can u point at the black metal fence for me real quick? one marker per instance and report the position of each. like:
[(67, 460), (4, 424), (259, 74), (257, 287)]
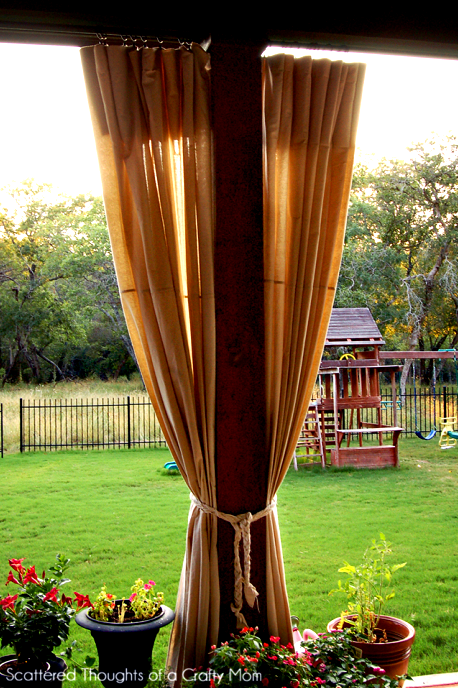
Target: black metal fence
[(417, 410), (131, 422), (88, 424)]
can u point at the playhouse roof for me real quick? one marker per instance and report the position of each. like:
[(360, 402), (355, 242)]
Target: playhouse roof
[(353, 327)]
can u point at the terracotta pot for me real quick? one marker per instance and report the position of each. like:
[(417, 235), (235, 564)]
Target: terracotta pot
[(125, 649), (17, 676), (392, 656)]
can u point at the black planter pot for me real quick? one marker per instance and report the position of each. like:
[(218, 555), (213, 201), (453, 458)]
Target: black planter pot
[(16, 676), (125, 649)]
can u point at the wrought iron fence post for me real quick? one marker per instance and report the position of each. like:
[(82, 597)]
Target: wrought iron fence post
[(21, 446), (445, 402), (128, 422)]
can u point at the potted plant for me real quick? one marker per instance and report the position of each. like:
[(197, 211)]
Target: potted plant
[(34, 621), (385, 640), (329, 660), (124, 632)]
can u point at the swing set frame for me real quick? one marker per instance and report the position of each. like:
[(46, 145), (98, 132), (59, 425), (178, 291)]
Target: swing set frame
[(449, 436)]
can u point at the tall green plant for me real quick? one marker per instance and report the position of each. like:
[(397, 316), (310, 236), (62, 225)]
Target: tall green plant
[(365, 589)]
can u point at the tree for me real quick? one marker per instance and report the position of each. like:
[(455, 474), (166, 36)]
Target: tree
[(400, 257), (32, 315), (57, 286), (94, 285)]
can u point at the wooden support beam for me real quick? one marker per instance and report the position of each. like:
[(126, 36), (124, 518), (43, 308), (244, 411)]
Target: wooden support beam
[(241, 453), (418, 354)]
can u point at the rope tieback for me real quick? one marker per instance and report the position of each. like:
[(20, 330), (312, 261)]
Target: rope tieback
[(241, 525)]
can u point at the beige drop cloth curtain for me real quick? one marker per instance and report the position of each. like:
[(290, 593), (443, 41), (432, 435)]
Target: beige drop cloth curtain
[(150, 111), (311, 110)]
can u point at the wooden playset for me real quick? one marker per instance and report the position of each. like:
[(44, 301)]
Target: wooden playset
[(347, 386)]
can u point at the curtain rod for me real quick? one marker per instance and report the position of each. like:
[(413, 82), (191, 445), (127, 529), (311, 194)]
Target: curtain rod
[(82, 36)]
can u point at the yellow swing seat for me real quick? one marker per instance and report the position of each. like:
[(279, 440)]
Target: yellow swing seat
[(448, 440)]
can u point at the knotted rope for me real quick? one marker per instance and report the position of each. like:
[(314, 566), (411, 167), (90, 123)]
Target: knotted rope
[(241, 525)]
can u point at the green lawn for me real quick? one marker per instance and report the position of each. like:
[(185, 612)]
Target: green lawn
[(119, 516)]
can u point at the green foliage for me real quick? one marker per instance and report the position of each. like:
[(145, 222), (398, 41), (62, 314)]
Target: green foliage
[(60, 312), (327, 660), (143, 602), (37, 618), (103, 605), (365, 589), (245, 660), (78, 666), (400, 257), (333, 660)]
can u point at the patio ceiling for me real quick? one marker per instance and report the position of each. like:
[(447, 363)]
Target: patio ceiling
[(403, 33)]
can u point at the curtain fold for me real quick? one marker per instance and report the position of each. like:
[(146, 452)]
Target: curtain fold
[(310, 116), (150, 111), (151, 116)]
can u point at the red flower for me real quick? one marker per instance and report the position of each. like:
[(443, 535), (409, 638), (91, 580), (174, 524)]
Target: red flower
[(31, 576), (8, 602), (212, 683), (16, 564), (265, 681), (51, 595), (245, 629), (241, 660), (66, 600), (149, 585), (294, 684), (11, 579), (290, 647), (274, 639), (82, 601)]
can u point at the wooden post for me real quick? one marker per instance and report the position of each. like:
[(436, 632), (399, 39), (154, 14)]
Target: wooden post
[(241, 454)]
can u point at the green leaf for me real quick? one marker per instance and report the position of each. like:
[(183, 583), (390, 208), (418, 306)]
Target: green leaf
[(348, 568), (397, 566)]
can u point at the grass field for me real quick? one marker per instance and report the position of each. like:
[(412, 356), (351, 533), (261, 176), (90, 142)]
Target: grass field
[(119, 516)]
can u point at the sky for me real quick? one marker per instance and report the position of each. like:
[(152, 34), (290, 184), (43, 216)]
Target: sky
[(45, 126), (46, 132)]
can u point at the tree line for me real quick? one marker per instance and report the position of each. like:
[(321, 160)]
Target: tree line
[(400, 256), (60, 311)]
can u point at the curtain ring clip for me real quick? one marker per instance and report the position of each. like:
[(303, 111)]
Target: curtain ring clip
[(103, 38)]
